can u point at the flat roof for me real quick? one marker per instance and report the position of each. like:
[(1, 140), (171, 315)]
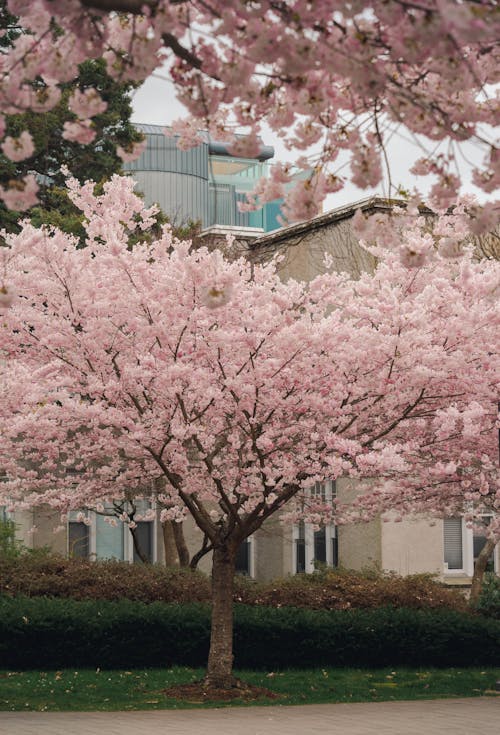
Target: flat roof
[(215, 147)]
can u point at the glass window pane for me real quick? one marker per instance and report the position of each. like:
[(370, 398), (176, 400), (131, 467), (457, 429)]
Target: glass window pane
[(109, 539), (243, 558), (300, 555), (335, 551), (320, 545), (78, 539)]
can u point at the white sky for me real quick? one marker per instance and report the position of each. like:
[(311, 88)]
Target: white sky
[(155, 103)]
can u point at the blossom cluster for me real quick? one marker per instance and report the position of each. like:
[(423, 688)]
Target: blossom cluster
[(330, 75), (240, 391)]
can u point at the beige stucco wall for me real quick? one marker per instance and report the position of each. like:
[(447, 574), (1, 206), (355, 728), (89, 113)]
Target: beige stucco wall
[(412, 546), (273, 550), (24, 525), (360, 546), (47, 531), (359, 543), (303, 257)]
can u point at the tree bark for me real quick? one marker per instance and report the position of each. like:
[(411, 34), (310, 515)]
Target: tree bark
[(169, 547), (138, 550), (123, 6), (180, 543), (220, 658), (206, 547), (479, 570)]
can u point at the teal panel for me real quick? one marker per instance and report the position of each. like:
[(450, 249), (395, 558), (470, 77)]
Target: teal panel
[(272, 210)]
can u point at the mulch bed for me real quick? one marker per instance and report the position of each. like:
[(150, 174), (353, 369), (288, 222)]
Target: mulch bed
[(198, 692)]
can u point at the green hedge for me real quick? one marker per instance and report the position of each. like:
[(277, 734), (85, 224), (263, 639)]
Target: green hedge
[(43, 633)]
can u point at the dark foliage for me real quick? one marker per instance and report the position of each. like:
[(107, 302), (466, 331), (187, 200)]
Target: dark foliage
[(52, 634)]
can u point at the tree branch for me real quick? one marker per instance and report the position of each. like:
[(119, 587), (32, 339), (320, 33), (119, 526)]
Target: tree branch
[(181, 51), (120, 6)]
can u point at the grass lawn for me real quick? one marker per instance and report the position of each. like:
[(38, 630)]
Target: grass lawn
[(88, 690)]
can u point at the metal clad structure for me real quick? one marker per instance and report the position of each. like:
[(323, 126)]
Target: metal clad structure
[(177, 180), (201, 184)]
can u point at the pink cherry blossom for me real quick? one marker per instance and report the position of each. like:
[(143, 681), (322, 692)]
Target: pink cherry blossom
[(20, 194), (450, 247), (131, 153), (17, 149), (216, 296), (87, 103), (326, 77), (7, 296), (412, 257), (116, 366), (79, 132)]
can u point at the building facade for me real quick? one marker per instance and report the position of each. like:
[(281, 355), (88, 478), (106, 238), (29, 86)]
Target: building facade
[(204, 184)]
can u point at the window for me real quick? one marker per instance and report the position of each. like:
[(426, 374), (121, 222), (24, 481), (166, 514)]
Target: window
[(102, 540), (78, 539), (312, 546), (144, 535), (244, 558), (109, 540), (462, 546)]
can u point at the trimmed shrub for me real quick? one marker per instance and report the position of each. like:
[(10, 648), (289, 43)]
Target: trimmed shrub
[(50, 575), (292, 637), (340, 589), (48, 633), (42, 633), (489, 599), (36, 574)]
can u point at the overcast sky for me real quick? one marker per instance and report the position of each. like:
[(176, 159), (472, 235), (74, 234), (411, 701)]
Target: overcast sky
[(155, 103)]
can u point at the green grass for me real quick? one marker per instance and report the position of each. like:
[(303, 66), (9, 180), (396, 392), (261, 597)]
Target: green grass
[(96, 690)]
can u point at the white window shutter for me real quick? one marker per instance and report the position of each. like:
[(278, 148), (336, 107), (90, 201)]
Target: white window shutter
[(453, 545)]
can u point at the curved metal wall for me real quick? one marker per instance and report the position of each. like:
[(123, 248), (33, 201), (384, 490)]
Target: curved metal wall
[(181, 197), (176, 180), (182, 184), (162, 154)]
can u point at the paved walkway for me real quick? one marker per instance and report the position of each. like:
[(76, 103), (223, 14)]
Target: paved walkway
[(437, 717)]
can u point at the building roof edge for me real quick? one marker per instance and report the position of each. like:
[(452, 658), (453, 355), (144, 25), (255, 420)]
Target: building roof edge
[(334, 215)]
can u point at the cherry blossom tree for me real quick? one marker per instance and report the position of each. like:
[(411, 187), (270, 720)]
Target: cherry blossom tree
[(333, 75), (129, 367)]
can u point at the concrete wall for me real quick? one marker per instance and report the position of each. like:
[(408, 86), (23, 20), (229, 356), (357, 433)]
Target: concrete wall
[(359, 543), (48, 531), (412, 546), (304, 256), (273, 554)]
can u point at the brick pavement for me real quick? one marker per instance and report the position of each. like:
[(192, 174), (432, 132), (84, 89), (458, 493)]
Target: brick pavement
[(436, 717)]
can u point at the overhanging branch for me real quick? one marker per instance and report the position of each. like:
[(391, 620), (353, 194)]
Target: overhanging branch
[(120, 6)]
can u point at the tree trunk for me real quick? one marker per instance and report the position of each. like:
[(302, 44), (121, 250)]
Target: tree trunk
[(479, 570), (205, 548), (138, 550), (169, 547), (220, 657), (180, 543)]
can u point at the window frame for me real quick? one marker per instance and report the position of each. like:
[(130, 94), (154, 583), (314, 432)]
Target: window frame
[(251, 558), (128, 543), (467, 568), (331, 536)]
